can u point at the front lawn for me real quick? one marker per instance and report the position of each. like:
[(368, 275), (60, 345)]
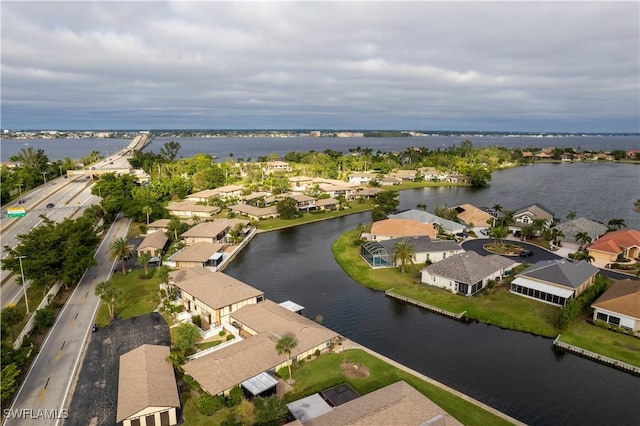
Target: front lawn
[(139, 295)]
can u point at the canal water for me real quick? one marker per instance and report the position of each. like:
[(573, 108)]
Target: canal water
[(517, 373)]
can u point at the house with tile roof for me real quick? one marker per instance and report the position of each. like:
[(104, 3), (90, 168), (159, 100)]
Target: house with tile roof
[(624, 243), (471, 215), (620, 306), (396, 404), (147, 389), (214, 296), (466, 273), (261, 326), (395, 228), (554, 281)]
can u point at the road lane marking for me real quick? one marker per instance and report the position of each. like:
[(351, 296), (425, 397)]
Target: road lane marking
[(44, 390), (59, 354)]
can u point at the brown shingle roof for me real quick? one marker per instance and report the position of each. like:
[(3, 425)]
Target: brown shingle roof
[(188, 273), (198, 252), (192, 206), (145, 379), (254, 211), (470, 214), (395, 404), (155, 240), (218, 290), (212, 228), (622, 297)]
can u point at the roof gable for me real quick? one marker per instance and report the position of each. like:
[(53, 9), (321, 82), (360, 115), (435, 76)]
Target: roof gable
[(623, 297), (561, 272), (469, 267), (218, 290)]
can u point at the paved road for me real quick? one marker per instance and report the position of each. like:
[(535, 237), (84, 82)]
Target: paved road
[(50, 376)]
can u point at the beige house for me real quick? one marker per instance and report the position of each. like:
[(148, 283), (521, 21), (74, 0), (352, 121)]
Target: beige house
[(158, 225), (261, 325), (394, 228), (214, 296), (526, 215), (213, 231), (188, 209), (198, 254), (147, 390), (396, 404), (624, 243), (472, 216), (255, 213), (276, 166), (153, 244), (327, 204), (223, 192), (619, 306)]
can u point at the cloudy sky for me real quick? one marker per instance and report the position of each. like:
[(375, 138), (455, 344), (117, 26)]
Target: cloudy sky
[(505, 66)]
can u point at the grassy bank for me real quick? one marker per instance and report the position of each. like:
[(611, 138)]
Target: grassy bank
[(496, 306), (309, 217)]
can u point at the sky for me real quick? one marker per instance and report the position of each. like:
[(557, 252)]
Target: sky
[(540, 66)]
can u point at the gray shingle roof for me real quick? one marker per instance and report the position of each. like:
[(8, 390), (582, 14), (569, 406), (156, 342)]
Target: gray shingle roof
[(469, 267), (580, 224), (562, 272)]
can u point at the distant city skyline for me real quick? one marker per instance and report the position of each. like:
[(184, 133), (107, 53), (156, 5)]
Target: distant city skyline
[(566, 67)]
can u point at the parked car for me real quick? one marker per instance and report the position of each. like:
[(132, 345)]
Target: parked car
[(484, 231), (526, 253)]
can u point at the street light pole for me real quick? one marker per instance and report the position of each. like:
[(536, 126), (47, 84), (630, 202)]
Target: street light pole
[(24, 284), (44, 176), (20, 192)]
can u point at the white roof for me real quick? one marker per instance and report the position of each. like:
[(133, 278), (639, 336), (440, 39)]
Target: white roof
[(292, 306), (536, 285), (260, 383), (309, 408)]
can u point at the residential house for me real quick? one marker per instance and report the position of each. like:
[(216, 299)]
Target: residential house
[(473, 216), (261, 326), (198, 254), (255, 213), (362, 178), (214, 231), (527, 215), (189, 209), (366, 193), (615, 245), (389, 180), (395, 404), (223, 192), (336, 190), (276, 166), (215, 295), (394, 228), (153, 244), (554, 281), (327, 204), (573, 227), (405, 174), (301, 183), (620, 306), (147, 389), (162, 225), (448, 226), (466, 273), (427, 249)]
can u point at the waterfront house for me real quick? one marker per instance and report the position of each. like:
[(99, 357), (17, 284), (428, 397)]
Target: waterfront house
[(448, 226), (362, 178), (617, 245), (276, 166), (214, 231), (573, 227), (301, 183), (404, 174), (327, 204), (198, 254), (472, 216), (147, 390), (214, 296), (619, 306), (554, 281), (153, 244), (380, 253), (188, 209), (366, 193), (395, 404), (261, 325), (394, 228), (223, 192), (466, 273), (255, 213), (526, 215)]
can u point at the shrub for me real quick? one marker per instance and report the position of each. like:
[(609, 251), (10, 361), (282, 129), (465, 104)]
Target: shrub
[(196, 320), (222, 332), (45, 318), (235, 397), (317, 352), (208, 404), (190, 382), (230, 337)]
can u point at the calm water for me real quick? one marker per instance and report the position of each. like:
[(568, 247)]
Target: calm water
[(516, 373), (253, 148)]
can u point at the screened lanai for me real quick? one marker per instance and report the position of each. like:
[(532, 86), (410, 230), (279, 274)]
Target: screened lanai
[(376, 255)]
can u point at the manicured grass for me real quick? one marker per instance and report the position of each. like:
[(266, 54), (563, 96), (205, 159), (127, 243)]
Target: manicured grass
[(614, 345), (193, 416), (139, 296), (326, 371)]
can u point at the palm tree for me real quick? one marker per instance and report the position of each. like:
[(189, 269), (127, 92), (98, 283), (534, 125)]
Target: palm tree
[(120, 249), (143, 259), (616, 224), (147, 210), (109, 294), (163, 274), (571, 215), (583, 238), (403, 253), (583, 255), (284, 346)]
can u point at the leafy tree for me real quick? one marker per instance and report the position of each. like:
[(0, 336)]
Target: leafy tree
[(235, 396), (571, 215), (163, 273), (186, 336), (421, 206), (479, 177), (143, 259), (385, 203), (288, 208), (616, 224), (270, 411), (446, 212), (9, 385), (120, 249), (109, 294), (10, 316), (208, 404), (44, 318), (169, 150), (403, 254), (175, 228), (285, 345), (147, 210)]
